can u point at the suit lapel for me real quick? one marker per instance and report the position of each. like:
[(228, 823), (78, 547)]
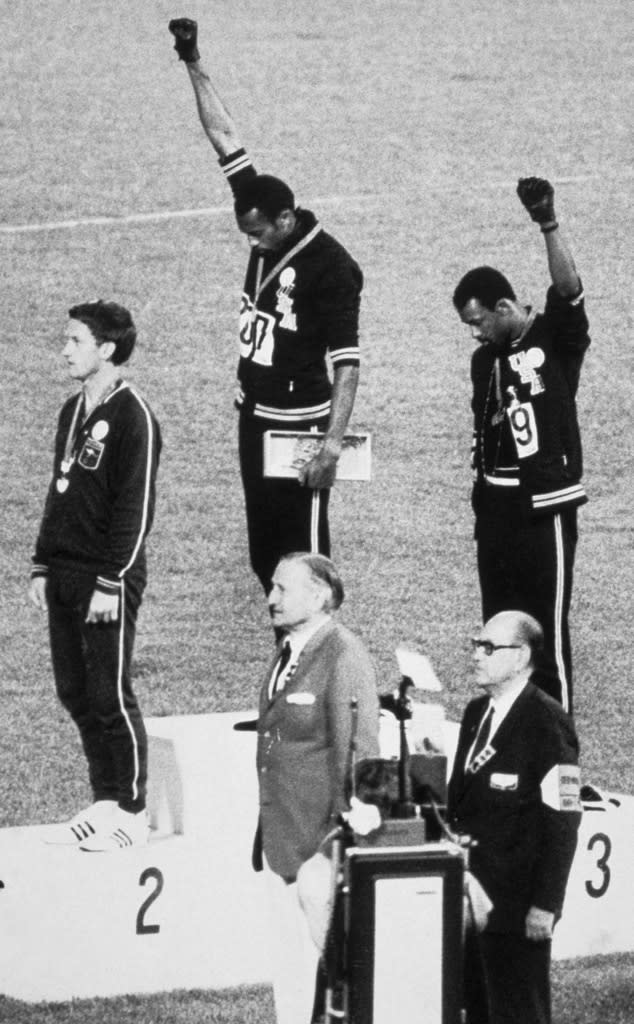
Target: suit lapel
[(461, 778), (516, 712), (497, 744), (305, 657)]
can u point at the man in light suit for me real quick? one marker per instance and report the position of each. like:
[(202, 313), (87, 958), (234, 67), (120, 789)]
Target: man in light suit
[(318, 712), (515, 790)]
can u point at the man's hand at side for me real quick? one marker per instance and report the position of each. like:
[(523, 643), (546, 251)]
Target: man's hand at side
[(37, 592), (320, 471), (539, 924), (103, 607)]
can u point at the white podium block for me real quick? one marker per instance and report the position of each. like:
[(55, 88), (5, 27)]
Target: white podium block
[(599, 907), (186, 911), (201, 776)]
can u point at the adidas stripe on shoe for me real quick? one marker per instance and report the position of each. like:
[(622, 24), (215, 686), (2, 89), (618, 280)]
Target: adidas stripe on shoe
[(122, 832), (83, 826)]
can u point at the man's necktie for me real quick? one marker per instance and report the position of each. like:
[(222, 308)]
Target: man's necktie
[(280, 668), (482, 738)]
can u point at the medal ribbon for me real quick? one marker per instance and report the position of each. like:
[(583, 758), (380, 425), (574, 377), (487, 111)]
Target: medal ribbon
[(69, 458)]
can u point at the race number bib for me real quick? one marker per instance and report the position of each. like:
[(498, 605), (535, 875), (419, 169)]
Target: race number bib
[(524, 428), (257, 339)]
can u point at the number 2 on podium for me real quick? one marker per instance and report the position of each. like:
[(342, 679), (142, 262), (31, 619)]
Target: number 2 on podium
[(156, 876)]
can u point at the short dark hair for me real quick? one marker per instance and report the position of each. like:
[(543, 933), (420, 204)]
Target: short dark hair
[(322, 570), (265, 193), (485, 284), (108, 321)]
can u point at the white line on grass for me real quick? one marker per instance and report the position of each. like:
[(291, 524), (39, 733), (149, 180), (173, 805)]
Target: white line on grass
[(213, 211), (158, 215), (132, 218)]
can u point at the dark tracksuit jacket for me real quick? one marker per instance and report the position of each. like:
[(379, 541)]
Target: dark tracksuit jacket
[(98, 512), (299, 312), (527, 462)]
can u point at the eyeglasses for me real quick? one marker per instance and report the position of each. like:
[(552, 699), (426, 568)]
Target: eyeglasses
[(489, 647)]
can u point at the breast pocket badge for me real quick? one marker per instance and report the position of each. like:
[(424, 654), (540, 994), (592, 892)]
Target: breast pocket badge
[(504, 781), (90, 455)]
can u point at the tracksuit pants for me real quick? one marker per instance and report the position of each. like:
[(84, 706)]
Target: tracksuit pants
[(282, 516), (91, 666), (527, 565)]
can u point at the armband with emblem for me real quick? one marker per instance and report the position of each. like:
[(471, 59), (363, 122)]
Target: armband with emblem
[(560, 788)]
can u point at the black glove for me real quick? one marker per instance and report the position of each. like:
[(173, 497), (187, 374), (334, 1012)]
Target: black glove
[(185, 32), (538, 196)]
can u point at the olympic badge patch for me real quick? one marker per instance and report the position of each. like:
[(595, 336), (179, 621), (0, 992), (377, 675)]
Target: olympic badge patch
[(90, 455)]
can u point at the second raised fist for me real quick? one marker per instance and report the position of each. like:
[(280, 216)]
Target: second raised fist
[(185, 32)]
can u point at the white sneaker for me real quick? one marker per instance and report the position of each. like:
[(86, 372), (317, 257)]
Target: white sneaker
[(120, 832), (84, 825)]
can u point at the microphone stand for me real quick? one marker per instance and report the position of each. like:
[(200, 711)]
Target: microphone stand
[(406, 808)]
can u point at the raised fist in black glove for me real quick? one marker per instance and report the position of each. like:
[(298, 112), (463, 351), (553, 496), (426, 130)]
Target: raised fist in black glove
[(185, 32), (538, 196)]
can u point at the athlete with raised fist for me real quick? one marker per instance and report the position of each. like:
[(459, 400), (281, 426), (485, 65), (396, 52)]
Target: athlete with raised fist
[(526, 451), (300, 307)]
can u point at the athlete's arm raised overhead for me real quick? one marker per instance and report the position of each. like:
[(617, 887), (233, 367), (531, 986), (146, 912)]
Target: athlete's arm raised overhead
[(216, 120), (538, 196)]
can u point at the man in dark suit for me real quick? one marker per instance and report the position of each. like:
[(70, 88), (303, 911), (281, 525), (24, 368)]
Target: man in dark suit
[(318, 711), (515, 789)]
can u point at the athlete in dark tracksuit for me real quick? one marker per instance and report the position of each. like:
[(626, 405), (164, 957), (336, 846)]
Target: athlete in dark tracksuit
[(307, 310), (90, 553), (526, 453), (300, 310)]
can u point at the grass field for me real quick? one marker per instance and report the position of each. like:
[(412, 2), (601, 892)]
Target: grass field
[(405, 126)]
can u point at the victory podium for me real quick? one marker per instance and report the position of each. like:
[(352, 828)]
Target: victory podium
[(185, 911)]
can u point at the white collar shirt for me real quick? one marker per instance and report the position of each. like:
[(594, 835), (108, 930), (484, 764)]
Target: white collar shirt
[(503, 704), (498, 708), (297, 641)]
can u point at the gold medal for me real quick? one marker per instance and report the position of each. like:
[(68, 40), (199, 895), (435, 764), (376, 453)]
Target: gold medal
[(61, 484)]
